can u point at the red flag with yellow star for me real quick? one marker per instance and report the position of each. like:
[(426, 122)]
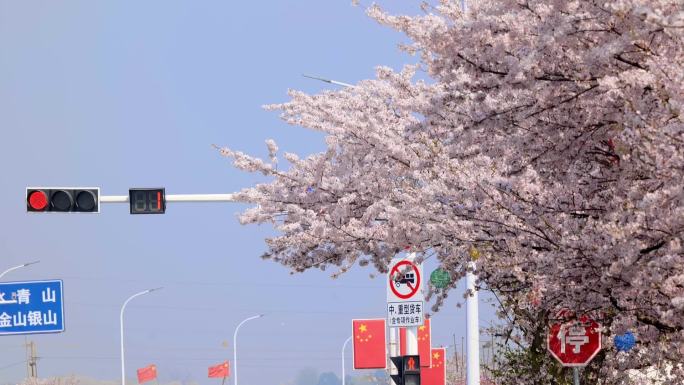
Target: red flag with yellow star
[(147, 373), (219, 371), (424, 343), (369, 344), (436, 374)]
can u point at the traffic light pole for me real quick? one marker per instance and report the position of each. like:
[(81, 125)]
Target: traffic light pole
[(174, 198), (394, 352)]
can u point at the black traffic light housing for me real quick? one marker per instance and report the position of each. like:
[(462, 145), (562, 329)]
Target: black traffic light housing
[(399, 364), (63, 199), (147, 200), (408, 368)]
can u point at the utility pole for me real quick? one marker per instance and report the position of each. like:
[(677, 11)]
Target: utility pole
[(493, 352), (32, 360), (456, 354), (463, 354)]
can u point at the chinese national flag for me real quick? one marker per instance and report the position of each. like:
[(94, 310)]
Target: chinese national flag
[(424, 342), (369, 344), (436, 374), (147, 373), (219, 371)]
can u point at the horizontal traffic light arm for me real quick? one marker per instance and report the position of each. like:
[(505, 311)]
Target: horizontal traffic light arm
[(175, 198)]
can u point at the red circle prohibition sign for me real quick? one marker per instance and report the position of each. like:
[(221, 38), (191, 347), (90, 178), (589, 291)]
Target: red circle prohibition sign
[(414, 289)]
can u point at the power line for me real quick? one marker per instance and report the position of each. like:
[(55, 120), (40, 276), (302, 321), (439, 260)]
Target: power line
[(231, 284), (13, 364)]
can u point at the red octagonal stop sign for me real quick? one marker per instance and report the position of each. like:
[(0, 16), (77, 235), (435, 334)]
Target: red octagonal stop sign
[(574, 343)]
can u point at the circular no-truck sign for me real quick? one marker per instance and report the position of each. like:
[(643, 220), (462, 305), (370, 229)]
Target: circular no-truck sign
[(404, 280)]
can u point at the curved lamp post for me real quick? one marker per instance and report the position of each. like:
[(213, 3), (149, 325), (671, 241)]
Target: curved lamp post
[(235, 371), (344, 346), (17, 267), (123, 369)]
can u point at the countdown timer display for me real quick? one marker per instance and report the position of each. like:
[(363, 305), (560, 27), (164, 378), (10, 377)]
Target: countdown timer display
[(147, 200)]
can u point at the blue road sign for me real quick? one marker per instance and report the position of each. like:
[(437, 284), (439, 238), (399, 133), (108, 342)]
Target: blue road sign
[(31, 307)]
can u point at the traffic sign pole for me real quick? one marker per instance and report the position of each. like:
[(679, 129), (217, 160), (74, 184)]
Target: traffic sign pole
[(394, 352), (575, 375), (412, 340)]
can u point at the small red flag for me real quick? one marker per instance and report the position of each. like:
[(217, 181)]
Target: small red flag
[(436, 374), (147, 373), (219, 371), (369, 344), (424, 341)]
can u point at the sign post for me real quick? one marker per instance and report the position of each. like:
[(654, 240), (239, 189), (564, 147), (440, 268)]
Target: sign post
[(574, 343), (31, 307)]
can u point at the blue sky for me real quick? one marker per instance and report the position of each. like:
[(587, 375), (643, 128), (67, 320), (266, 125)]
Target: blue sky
[(127, 94)]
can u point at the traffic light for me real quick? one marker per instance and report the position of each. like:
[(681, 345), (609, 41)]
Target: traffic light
[(63, 199), (147, 200), (408, 368), (399, 364), (411, 372)]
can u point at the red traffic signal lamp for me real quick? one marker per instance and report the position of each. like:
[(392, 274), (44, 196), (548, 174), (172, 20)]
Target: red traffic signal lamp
[(63, 199), (408, 368)]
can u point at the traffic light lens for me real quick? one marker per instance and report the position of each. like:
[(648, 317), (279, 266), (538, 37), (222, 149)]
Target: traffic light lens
[(86, 201), (61, 201), (38, 200)]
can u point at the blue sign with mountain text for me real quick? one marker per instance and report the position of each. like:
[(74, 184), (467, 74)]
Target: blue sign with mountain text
[(31, 307)]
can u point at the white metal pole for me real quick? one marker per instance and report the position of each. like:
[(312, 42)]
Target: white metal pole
[(235, 372), (394, 351), (575, 375), (344, 346), (17, 267), (412, 340), (412, 331), (472, 314), (175, 198), (121, 319), (472, 330)]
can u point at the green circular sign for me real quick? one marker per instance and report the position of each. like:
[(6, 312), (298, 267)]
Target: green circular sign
[(440, 278)]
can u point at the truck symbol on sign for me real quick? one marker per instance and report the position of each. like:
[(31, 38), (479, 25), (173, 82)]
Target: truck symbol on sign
[(406, 278)]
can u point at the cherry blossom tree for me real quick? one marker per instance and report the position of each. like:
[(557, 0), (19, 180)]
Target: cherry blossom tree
[(547, 144), (51, 381)]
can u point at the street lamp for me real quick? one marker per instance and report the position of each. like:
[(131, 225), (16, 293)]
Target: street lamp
[(235, 372), (328, 81), (17, 267), (123, 370), (344, 346)]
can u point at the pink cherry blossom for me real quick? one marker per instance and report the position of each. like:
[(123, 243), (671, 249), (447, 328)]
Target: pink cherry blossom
[(550, 138)]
